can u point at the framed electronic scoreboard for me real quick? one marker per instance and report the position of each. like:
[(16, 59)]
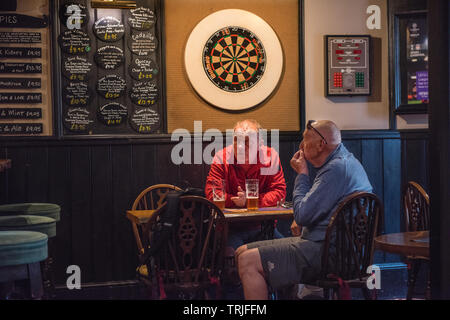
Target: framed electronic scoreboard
[(348, 69)]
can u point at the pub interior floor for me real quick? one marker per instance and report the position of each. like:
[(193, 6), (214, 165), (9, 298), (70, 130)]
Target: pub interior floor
[(393, 287)]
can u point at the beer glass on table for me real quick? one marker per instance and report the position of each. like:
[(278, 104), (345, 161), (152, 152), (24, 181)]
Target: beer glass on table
[(252, 193), (219, 193)]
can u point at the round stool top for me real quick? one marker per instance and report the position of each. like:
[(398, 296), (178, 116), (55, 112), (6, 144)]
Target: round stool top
[(22, 247), (29, 223), (40, 209)]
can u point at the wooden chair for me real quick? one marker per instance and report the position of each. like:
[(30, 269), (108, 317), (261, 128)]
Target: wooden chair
[(190, 262), (349, 244), (417, 218), (151, 198)]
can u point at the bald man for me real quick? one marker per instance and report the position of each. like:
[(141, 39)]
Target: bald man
[(326, 173), (247, 158)]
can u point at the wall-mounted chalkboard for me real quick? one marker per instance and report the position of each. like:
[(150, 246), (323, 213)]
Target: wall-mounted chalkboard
[(110, 79), (26, 105)]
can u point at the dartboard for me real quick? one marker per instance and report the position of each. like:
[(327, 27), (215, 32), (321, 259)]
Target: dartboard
[(234, 59)]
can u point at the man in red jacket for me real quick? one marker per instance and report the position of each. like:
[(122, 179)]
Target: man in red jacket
[(260, 162)]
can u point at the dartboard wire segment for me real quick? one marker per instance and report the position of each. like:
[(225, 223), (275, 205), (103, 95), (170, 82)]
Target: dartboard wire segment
[(234, 59)]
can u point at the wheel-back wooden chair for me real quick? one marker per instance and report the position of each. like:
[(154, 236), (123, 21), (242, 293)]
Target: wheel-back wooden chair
[(349, 245), (151, 198), (417, 218), (190, 263)]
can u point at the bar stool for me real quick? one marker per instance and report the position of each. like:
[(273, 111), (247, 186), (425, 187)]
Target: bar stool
[(20, 255), (41, 224), (50, 210)]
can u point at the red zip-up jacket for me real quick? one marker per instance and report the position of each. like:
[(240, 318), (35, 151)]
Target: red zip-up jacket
[(272, 187)]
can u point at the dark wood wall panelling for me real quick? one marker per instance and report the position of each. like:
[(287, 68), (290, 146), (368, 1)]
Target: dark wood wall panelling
[(415, 161), (95, 182)]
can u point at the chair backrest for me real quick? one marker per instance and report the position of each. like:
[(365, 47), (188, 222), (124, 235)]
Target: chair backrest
[(151, 198), (194, 252), (417, 207), (349, 241)]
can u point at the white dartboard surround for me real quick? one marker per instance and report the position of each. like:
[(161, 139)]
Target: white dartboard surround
[(194, 59)]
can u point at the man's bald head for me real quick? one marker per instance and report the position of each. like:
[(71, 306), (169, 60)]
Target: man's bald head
[(330, 132)]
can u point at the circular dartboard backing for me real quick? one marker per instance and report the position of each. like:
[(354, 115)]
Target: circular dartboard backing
[(233, 59)]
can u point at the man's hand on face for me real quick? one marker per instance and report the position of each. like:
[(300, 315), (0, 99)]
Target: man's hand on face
[(240, 199), (298, 163)]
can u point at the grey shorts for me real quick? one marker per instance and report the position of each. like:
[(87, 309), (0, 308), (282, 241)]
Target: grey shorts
[(289, 261)]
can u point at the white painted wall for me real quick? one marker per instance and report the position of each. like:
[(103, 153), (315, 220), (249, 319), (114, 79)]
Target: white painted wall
[(345, 17)]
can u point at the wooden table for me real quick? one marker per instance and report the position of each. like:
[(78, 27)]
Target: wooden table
[(5, 164), (262, 214), (413, 244)]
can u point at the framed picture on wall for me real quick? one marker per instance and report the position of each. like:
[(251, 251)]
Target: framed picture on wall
[(410, 63)]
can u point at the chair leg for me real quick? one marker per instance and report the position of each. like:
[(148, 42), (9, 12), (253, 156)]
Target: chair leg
[(428, 288), (47, 273), (6, 288), (326, 293), (412, 277), (35, 278), (335, 294), (369, 294), (331, 294)]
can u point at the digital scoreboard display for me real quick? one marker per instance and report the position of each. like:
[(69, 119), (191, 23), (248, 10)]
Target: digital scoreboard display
[(348, 65)]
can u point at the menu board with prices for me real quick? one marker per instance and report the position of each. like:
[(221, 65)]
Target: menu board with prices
[(110, 67), (348, 69), (26, 106)]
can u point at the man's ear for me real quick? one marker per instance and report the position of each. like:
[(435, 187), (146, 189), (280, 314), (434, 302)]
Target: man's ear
[(321, 145)]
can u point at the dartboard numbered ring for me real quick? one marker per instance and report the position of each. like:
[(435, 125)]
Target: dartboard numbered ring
[(233, 59)]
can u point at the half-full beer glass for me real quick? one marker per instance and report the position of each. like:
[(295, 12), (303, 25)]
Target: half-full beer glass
[(252, 193)]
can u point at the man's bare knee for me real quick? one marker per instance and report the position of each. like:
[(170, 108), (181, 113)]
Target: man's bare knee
[(240, 250), (249, 261)]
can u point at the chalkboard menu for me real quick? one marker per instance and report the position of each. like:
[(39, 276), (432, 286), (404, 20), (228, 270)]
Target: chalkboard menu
[(110, 67), (26, 105)]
